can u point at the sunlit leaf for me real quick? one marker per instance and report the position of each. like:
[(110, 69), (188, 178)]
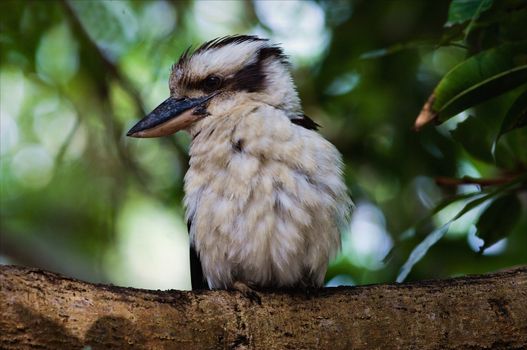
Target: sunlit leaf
[(516, 116), (486, 194), (420, 250), (498, 220), (464, 10), (495, 192), (447, 201), (409, 233), (477, 79)]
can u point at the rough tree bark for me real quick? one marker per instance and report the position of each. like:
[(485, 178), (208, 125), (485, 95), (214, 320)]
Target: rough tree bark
[(41, 309)]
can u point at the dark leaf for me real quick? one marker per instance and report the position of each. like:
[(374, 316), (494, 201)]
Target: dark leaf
[(396, 48), (422, 248), (464, 10), (514, 141), (448, 38), (420, 251), (498, 220), (505, 188), (477, 79), (516, 116), (475, 137), (432, 238), (409, 233)]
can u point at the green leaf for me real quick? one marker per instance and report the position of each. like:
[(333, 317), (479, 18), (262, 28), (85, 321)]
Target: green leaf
[(432, 238), (481, 77), (397, 48), (475, 80), (422, 248), (409, 233), (495, 192), (476, 138), (463, 10), (515, 141), (516, 116), (498, 220), (448, 38), (445, 203)]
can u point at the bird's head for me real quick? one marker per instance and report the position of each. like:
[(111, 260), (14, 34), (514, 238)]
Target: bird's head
[(218, 77)]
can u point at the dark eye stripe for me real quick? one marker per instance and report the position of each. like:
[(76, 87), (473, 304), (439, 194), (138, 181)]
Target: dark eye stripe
[(250, 78)]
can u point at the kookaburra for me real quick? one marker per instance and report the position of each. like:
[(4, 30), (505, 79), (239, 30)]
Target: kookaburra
[(264, 193)]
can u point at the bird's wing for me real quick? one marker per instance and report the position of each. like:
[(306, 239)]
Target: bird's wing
[(305, 121), (196, 272)]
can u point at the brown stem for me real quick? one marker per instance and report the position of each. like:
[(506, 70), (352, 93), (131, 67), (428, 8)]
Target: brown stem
[(467, 180)]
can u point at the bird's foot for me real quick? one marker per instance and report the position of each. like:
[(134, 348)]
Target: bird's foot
[(247, 292), (311, 291)]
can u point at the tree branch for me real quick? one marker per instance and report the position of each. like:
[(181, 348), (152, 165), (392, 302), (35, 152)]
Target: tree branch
[(467, 180), (45, 310)]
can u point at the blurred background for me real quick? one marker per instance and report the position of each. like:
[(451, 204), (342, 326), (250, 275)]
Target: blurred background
[(79, 198)]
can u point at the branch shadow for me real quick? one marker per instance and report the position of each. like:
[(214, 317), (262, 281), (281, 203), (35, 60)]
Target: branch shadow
[(107, 332)]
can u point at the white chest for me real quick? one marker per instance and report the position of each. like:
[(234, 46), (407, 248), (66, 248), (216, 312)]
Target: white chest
[(265, 198)]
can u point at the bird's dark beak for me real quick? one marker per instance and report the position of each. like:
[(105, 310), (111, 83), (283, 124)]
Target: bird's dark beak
[(170, 116)]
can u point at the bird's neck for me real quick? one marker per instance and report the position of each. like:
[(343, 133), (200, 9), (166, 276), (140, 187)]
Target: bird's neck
[(228, 119), (212, 138)]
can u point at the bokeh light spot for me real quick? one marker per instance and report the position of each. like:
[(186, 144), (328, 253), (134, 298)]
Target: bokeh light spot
[(111, 24), (53, 121), (298, 25), (57, 55), (367, 242), (8, 133), (12, 91), (158, 19), (343, 84), (152, 247), (217, 18), (32, 166)]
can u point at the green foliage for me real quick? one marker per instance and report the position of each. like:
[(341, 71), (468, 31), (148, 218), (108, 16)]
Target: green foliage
[(482, 76), (461, 11), (486, 230), (516, 117), (476, 137), (479, 78), (498, 220)]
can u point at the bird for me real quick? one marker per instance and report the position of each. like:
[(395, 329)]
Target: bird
[(265, 197)]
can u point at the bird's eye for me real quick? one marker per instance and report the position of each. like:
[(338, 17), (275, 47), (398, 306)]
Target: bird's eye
[(211, 83)]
